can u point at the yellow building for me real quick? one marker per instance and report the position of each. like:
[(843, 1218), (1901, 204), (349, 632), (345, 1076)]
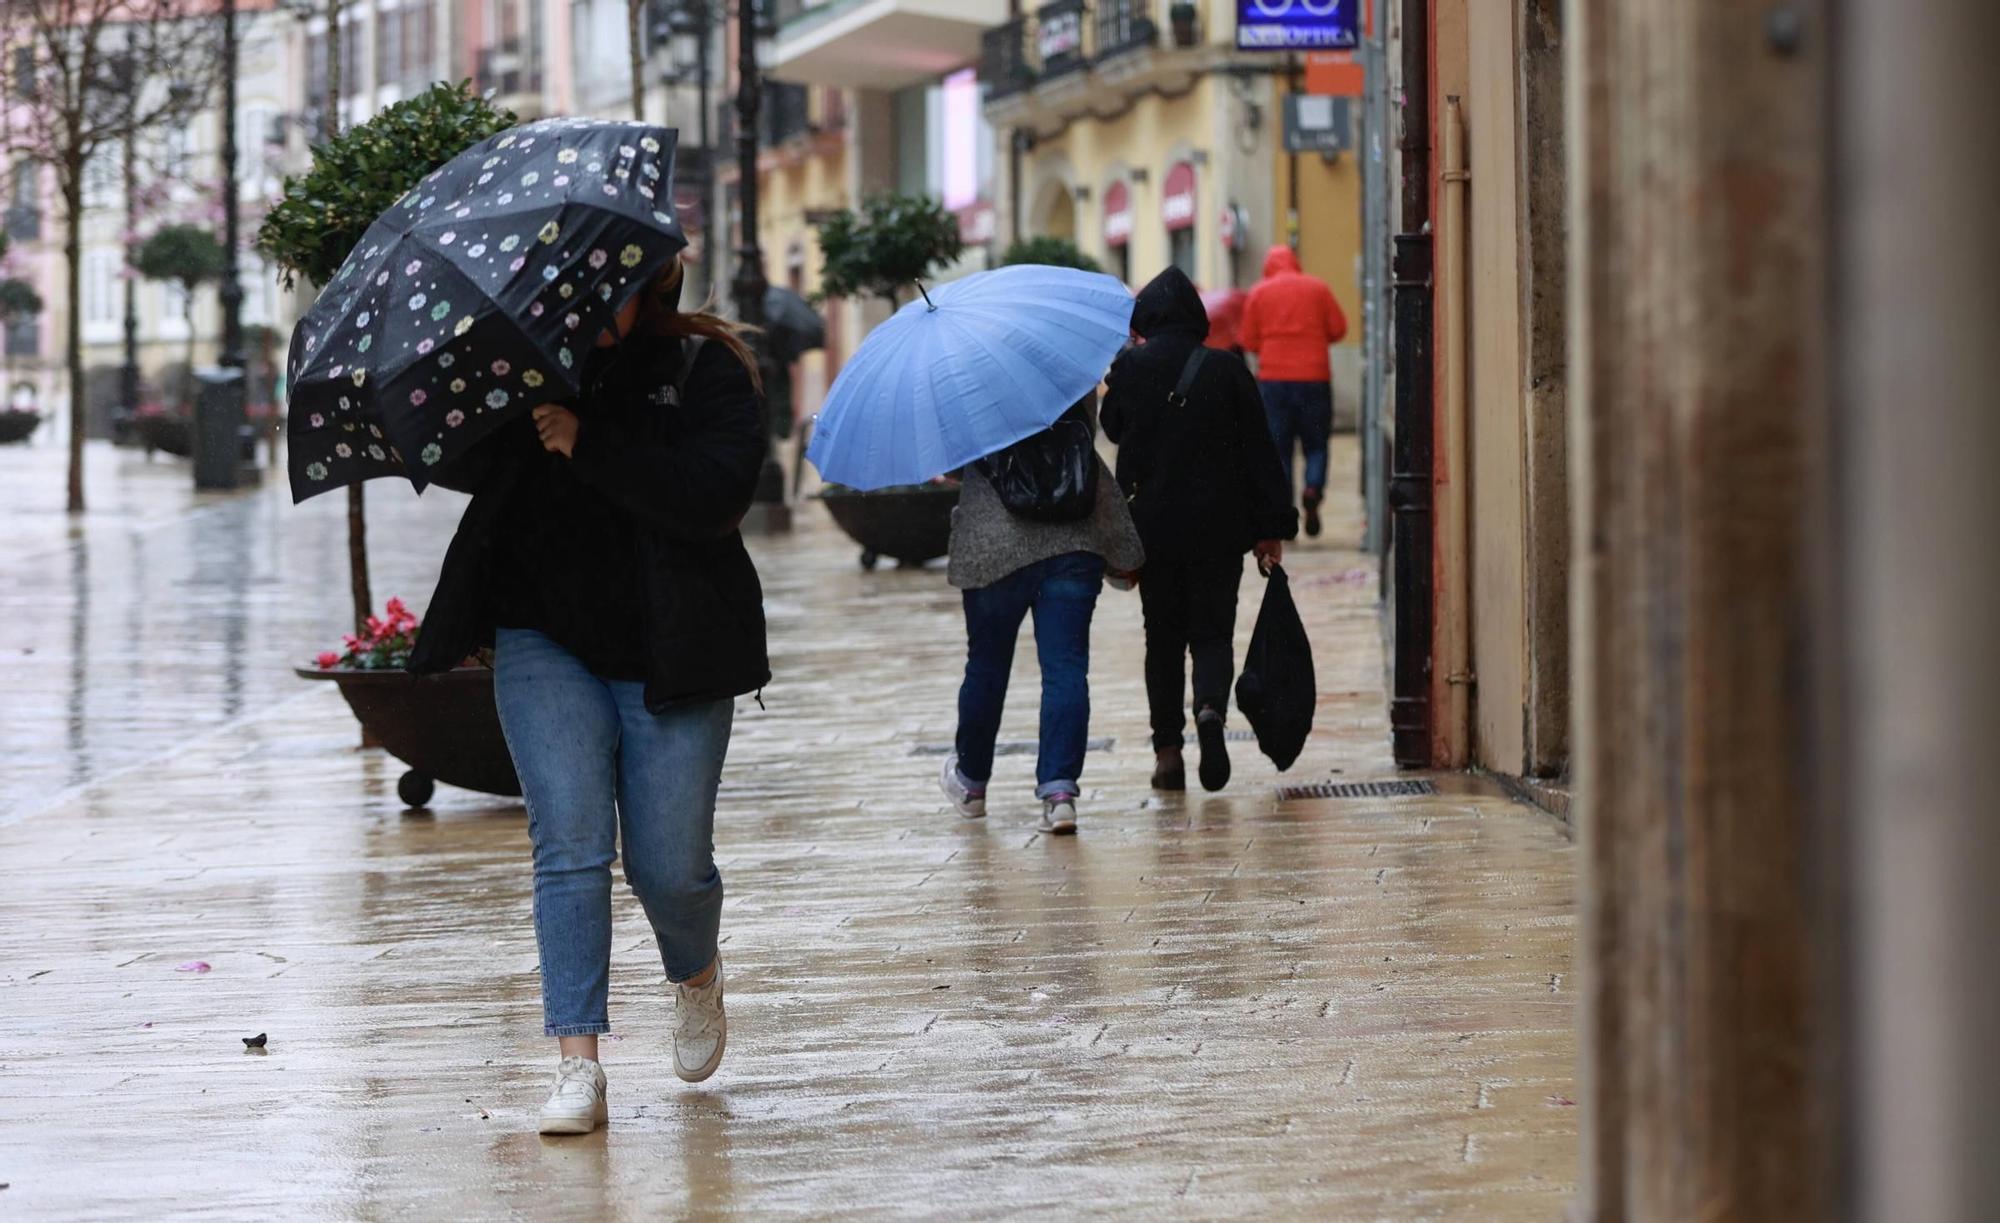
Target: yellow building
[(1149, 140)]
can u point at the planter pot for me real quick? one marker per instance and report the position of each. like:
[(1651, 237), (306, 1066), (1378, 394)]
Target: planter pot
[(910, 524), (445, 727), (15, 426), (171, 433)]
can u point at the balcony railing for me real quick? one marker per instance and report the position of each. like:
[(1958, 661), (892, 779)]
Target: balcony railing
[(1063, 37), (1122, 26), (1003, 59)]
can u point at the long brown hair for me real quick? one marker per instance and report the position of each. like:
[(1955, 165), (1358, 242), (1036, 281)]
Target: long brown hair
[(660, 314)]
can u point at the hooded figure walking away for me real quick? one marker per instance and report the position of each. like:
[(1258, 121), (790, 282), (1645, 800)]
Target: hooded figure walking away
[(1009, 566), (1288, 322), (1201, 474), (600, 558)]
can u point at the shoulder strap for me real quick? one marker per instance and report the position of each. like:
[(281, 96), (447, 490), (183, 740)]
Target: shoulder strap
[(1178, 396)]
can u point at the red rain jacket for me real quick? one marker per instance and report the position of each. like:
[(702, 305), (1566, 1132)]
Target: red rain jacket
[(1289, 321)]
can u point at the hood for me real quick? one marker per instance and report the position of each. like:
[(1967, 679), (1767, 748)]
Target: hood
[(1279, 260), (1170, 304)]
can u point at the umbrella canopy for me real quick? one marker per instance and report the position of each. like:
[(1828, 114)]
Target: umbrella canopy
[(476, 298), (792, 327), (981, 364)]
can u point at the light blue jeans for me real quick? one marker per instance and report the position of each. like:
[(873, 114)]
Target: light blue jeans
[(597, 767)]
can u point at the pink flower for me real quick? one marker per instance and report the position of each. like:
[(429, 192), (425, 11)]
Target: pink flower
[(600, 257), (328, 661), (413, 267), (424, 346), (535, 310), (520, 261), (454, 418), (417, 398), (501, 369), (317, 421)]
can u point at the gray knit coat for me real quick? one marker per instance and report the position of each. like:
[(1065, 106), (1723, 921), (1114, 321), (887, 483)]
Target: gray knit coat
[(989, 541)]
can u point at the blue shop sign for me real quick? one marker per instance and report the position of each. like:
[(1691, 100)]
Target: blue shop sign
[(1298, 25)]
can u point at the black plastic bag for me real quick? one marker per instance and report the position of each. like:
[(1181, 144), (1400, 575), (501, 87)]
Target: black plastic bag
[(1276, 691), (1050, 476)]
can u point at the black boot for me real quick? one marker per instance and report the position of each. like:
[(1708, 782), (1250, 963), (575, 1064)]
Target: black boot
[(1310, 502), (1169, 770), (1214, 749)]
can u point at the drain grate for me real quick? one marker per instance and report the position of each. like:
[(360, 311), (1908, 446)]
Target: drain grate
[(1009, 747), (1357, 789)]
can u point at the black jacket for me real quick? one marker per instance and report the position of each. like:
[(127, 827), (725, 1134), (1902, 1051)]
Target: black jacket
[(1204, 479), (685, 473)]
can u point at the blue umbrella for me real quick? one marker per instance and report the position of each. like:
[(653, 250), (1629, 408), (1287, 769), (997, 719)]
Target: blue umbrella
[(978, 365)]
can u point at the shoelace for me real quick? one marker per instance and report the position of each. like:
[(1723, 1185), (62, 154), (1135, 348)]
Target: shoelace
[(689, 999), (577, 1080)]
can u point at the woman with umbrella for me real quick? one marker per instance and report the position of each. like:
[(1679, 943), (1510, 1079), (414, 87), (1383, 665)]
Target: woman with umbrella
[(996, 373), (600, 556)]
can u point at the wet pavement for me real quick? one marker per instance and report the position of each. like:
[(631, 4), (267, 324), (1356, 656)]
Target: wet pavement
[(1241, 1005)]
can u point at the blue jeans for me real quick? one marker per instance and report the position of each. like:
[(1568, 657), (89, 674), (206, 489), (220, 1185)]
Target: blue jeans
[(597, 767), (1062, 593), (1301, 413)]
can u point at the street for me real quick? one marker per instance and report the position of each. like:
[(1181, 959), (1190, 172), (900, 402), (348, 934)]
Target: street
[(1239, 1005)]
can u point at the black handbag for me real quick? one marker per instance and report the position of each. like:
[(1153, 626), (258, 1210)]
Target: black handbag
[(1050, 476), (1276, 691)]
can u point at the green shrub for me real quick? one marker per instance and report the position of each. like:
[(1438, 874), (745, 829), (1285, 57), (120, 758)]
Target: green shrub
[(1059, 252), (361, 173), (884, 250)]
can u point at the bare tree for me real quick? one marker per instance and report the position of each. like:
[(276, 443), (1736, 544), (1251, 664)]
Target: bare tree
[(80, 76)]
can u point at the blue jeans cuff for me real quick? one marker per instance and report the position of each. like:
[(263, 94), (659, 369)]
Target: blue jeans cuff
[(575, 1029), (1049, 789)]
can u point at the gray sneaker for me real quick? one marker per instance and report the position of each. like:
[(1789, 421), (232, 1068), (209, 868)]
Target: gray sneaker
[(967, 797), (1059, 815)]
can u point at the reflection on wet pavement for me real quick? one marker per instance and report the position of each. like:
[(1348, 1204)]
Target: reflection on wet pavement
[(1203, 1005)]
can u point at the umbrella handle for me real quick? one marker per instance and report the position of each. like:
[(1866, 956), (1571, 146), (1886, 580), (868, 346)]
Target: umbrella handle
[(927, 297)]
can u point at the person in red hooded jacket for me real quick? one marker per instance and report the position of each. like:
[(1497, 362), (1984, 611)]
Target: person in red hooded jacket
[(1289, 321)]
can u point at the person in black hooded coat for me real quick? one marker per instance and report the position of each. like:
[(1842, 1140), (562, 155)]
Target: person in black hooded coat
[(1205, 486)]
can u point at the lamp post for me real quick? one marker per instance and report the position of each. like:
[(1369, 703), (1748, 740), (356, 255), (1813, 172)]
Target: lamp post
[(691, 24), (769, 513), (128, 373), (232, 286)]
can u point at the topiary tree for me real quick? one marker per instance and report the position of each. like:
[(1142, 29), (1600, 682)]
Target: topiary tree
[(885, 249), (355, 177), (189, 256), (1058, 252)]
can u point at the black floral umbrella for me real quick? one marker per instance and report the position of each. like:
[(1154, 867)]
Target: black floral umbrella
[(477, 297)]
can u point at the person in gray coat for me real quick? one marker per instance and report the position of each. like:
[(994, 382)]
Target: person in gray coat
[(1009, 566)]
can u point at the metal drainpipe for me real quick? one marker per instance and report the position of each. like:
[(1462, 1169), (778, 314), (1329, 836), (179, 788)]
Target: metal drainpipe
[(1455, 659), (1409, 493)]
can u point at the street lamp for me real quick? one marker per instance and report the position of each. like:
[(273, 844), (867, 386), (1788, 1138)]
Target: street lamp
[(750, 283), (232, 284)]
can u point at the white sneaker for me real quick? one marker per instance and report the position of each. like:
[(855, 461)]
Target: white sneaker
[(576, 1102), (967, 797), (700, 1029), (1058, 814)]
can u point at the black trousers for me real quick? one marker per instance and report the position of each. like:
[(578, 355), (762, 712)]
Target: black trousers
[(1190, 608)]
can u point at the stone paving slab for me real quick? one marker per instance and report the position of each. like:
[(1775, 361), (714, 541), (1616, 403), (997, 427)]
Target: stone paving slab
[(1201, 1006)]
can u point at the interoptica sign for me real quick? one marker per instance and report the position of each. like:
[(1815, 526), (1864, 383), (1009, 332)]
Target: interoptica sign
[(1298, 25)]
